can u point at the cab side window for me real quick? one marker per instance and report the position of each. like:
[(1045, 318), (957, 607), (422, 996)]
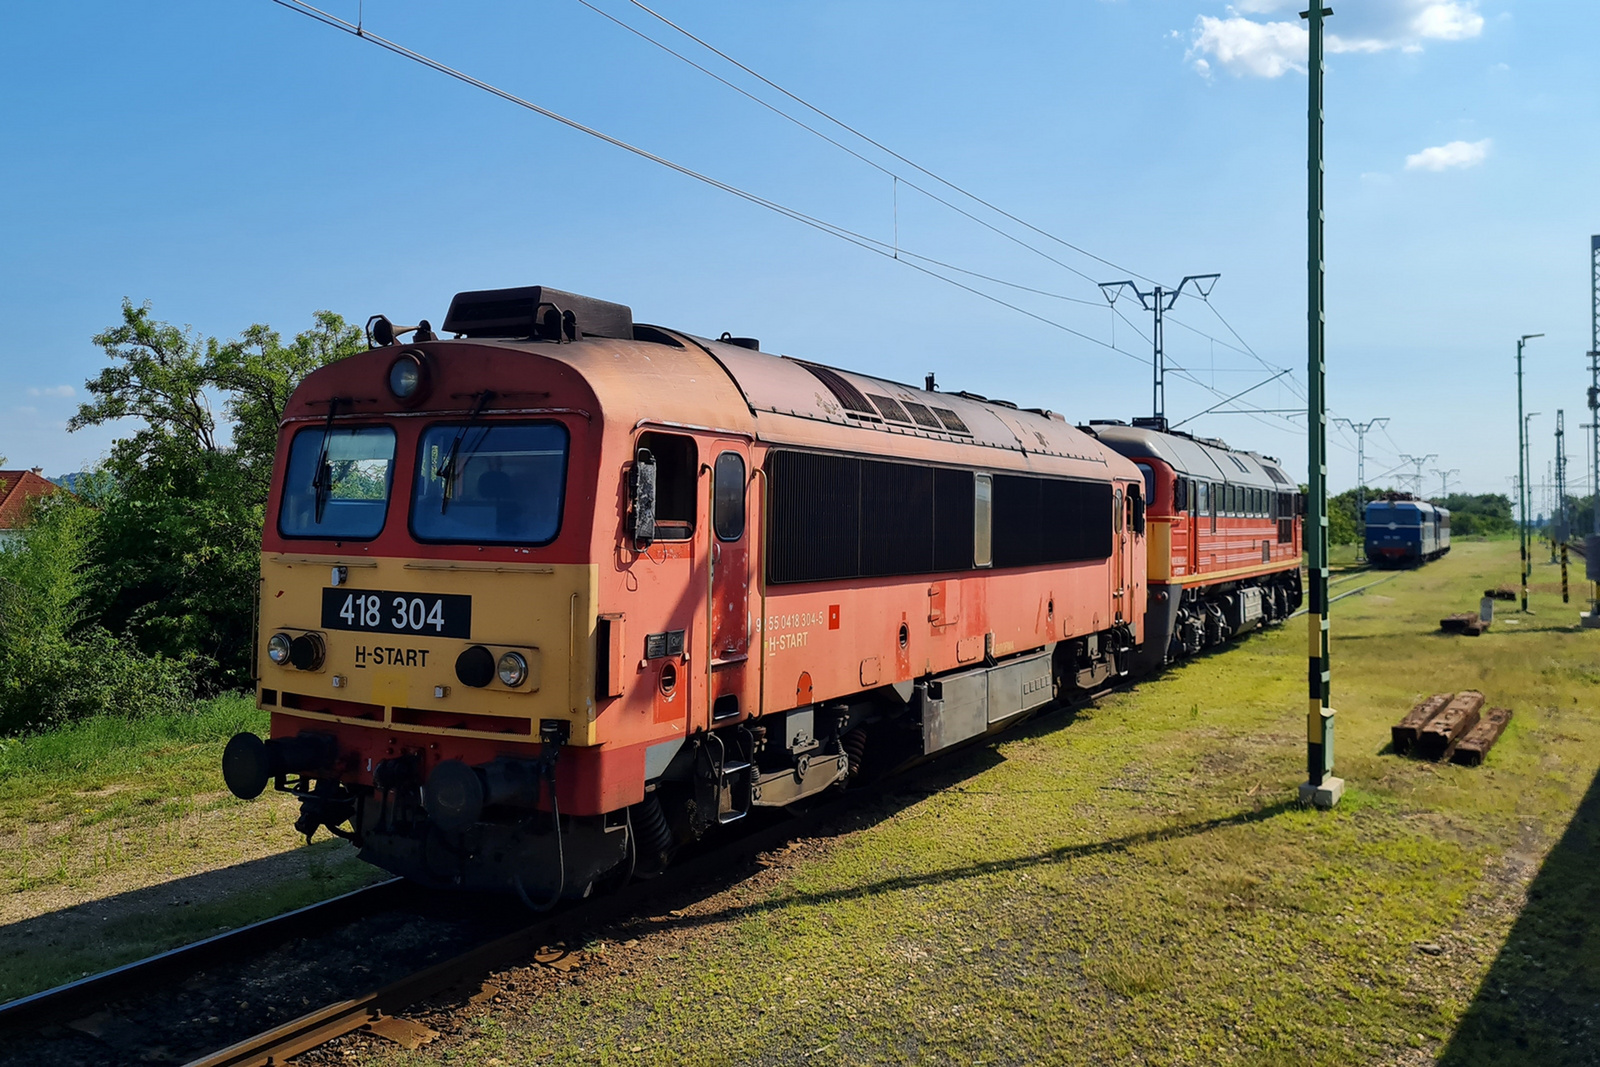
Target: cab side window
[(677, 470), (728, 496)]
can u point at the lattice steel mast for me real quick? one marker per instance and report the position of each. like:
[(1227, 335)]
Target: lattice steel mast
[(1591, 618), (1159, 300), (1361, 429)]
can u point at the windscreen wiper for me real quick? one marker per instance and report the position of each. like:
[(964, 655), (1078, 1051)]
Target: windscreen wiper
[(450, 469), (322, 477)]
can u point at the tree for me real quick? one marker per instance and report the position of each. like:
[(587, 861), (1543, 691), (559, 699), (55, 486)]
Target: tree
[(177, 556), (259, 372), (158, 374), (1484, 513)]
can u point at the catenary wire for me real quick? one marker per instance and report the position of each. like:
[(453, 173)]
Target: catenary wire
[(889, 173), (860, 240), (880, 146), (870, 244), (885, 171)]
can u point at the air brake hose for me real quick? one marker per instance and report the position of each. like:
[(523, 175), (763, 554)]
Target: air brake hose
[(547, 762)]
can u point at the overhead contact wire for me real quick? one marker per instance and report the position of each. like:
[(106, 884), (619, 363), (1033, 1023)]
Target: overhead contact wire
[(1247, 350), (880, 168), (884, 148), (871, 244)]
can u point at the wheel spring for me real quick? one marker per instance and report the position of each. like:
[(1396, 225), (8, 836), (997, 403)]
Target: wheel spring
[(855, 746), (655, 837)]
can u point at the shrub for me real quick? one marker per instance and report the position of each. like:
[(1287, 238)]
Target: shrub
[(57, 664)]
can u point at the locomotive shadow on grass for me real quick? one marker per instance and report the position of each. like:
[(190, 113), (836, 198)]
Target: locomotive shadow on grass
[(899, 883), (1540, 1002), (883, 801)]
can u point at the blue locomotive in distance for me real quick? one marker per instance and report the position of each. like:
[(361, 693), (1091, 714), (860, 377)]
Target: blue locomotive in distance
[(1405, 532)]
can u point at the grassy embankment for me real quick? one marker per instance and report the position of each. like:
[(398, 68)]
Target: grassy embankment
[(117, 839), (1134, 885)]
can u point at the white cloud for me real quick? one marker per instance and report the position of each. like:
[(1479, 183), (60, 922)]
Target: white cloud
[(1456, 154), (1451, 20), (53, 390), (1261, 49), (1247, 48)]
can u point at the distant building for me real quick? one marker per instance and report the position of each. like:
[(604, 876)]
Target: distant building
[(17, 488)]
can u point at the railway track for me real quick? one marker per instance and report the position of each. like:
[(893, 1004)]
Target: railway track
[(81, 997), (39, 1019), (463, 972)]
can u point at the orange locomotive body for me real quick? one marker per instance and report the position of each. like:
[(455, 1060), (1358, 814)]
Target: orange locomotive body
[(1224, 541), (544, 601)]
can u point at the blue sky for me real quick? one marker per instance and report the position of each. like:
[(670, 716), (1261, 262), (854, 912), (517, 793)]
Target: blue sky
[(238, 163)]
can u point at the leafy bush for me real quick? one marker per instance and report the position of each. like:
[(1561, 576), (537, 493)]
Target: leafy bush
[(56, 663)]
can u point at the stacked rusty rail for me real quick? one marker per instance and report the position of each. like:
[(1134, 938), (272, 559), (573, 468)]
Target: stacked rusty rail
[(1450, 726)]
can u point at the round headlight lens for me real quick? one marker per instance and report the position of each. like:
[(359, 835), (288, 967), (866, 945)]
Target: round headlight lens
[(405, 377), (278, 648), (513, 669)]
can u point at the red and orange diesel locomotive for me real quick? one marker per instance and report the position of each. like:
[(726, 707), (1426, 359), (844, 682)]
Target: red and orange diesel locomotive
[(1224, 542), (544, 601)]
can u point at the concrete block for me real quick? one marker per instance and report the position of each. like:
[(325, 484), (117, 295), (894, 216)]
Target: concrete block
[(1322, 796)]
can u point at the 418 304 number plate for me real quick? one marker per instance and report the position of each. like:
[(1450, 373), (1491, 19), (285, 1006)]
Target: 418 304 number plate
[(417, 614)]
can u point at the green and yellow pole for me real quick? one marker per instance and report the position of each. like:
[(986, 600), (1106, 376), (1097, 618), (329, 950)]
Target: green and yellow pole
[(1321, 788)]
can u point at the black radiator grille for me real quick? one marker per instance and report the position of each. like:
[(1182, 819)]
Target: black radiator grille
[(841, 517), (922, 416), (951, 420), (848, 395), (890, 407), (1050, 520)]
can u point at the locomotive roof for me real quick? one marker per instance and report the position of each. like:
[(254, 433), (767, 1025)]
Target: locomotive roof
[(671, 378), (1423, 506), (1196, 458), (789, 396)]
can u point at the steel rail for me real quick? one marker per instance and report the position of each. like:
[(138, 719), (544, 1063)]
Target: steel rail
[(1351, 592), (90, 993)]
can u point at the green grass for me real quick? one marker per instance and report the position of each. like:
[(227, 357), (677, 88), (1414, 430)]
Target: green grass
[(1135, 884), (80, 755), (130, 817)]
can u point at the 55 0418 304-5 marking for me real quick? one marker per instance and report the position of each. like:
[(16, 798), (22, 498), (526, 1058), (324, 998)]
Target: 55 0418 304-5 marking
[(388, 612)]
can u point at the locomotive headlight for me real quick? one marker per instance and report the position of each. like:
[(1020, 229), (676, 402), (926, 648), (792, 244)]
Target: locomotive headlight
[(278, 648), (513, 669), (406, 377)]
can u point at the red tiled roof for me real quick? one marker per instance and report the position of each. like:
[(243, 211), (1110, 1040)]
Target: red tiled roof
[(16, 489)]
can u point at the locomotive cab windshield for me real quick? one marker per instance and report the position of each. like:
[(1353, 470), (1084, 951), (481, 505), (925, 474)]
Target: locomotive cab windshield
[(503, 484), (338, 483)]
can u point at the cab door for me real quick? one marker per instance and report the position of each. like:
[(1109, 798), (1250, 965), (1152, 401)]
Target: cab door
[(1119, 550), (728, 594)]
